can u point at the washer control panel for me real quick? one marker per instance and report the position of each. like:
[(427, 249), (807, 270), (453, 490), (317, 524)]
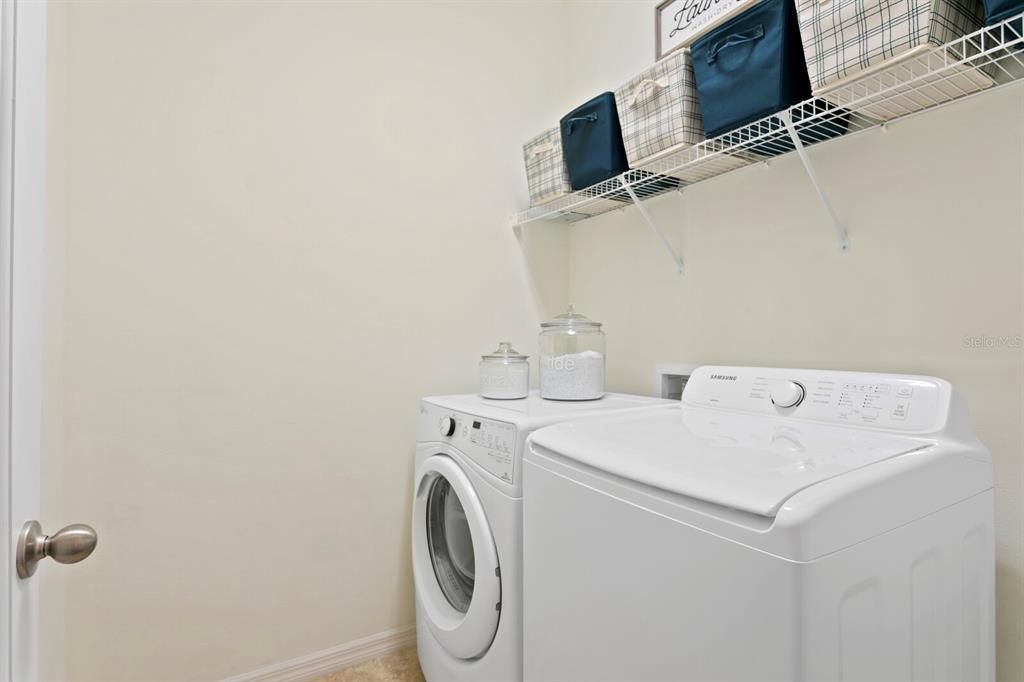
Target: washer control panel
[(884, 401), (489, 443)]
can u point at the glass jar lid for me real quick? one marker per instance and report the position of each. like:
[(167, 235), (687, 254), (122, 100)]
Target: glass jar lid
[(570, 319), (506, 353)]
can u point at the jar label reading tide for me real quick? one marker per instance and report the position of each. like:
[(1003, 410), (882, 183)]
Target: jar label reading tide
[(573, 376)]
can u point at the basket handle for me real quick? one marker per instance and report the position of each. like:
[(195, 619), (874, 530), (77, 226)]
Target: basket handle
[(656, 84), (750, 35), (542, 149), (589, 118)]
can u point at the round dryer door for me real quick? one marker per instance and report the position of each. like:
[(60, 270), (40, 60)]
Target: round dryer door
[(455, 563)]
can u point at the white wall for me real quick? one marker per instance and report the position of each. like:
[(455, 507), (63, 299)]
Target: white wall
[(275, 226), (935, 214)]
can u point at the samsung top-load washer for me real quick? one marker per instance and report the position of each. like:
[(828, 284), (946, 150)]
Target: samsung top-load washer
[(782, 525), (467, 527)]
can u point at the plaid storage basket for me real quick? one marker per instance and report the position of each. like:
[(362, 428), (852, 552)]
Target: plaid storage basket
[(546, 175), (658, 109), (848, 39)]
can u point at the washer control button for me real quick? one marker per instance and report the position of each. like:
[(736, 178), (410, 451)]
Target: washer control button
[(447, 426), (787, 394)]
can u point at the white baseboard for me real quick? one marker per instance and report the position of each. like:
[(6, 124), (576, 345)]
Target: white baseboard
[(311, 666)]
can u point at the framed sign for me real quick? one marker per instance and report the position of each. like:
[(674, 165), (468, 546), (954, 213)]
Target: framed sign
[(677, 23)]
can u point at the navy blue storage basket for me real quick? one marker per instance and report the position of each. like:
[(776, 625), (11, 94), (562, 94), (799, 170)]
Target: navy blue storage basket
[(750, 66), (592, 142), (997, 10)]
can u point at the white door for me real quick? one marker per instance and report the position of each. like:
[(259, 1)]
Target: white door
[(455, 562), (22, 126)]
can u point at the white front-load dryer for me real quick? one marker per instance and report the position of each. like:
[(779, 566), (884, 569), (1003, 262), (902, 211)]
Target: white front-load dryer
[(467, 527)]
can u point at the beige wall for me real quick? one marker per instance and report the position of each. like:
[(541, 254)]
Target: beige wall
[(935, 208), (274, 227), (52, 441)]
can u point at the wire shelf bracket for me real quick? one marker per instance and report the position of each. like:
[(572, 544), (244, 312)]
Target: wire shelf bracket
[(844, 240), (653, 225)]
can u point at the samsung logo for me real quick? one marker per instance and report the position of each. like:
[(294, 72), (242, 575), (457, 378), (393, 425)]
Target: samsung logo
[(724, 377)]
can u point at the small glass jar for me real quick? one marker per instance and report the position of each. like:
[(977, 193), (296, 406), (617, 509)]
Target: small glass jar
[(571, 358), (504, 374)]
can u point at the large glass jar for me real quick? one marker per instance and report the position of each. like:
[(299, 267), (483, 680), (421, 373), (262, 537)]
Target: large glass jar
[(504, 374), (571, 358)]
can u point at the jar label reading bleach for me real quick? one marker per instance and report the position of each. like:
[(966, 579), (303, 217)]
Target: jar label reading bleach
[(504, 381), (573, 376)]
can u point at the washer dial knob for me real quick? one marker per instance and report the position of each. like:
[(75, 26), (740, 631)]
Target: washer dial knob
[(787, 394), (447, 426)]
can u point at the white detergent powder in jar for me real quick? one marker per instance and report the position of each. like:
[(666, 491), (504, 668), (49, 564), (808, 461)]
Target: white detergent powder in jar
[(573, 376), (571, 358)]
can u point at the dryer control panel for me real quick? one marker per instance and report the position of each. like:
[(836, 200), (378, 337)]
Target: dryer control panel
[(489, 443), (892, 402)]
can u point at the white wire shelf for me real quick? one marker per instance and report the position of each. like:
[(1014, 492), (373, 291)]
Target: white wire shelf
[(979, 62)]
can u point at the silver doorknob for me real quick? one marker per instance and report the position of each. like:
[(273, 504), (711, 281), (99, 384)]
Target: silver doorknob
[(69, 545)]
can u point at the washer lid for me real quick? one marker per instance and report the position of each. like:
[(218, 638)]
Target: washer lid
[(752, 463)]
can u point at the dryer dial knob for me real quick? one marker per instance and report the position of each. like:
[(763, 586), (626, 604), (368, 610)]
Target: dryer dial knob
[(447, 426), (787, 394)]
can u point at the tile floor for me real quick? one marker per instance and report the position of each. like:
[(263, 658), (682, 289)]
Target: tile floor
[(398, 667)]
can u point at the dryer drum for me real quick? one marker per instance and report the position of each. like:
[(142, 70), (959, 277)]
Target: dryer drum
[(451, 544)]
